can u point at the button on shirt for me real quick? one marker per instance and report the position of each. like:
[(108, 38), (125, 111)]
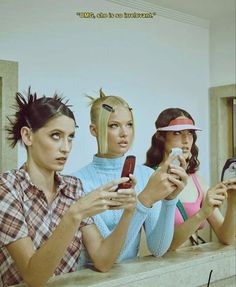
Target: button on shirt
[(25, 212)]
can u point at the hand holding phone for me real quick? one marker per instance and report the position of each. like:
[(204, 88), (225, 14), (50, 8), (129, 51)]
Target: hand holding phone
[(229, 169), (128, 168), (176, 151)]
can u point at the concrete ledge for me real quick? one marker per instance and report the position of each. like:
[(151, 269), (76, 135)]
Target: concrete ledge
[(188, 266)]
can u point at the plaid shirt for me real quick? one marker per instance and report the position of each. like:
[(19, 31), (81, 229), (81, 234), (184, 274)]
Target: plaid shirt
[(24, 212)]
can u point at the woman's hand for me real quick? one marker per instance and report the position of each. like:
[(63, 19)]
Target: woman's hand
[(103, 198), (215, 197), (127, 197), (231, 189), (178, 177), (165, 183)]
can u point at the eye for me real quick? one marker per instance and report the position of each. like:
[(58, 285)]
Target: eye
[(176, 133), (55, 136), (130, 124), (113, 126), (71, 137)]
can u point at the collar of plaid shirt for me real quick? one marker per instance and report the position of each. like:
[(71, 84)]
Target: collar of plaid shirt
[(26, 185)]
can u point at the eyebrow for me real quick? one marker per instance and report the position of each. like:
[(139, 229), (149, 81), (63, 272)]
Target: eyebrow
[(61, 131), (116, 121)]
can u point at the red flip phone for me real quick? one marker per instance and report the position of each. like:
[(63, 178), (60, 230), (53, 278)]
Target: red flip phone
[(128, 168)]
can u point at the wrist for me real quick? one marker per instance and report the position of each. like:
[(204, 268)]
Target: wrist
[(170, 197), (129, 212), (72, 217), (231, 198), (170, 201), (145, 199), (202, 214)]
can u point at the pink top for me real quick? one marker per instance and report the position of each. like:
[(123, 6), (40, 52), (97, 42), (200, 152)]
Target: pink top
[(191, 208)]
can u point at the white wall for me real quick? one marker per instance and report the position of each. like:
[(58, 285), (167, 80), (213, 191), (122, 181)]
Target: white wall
[(153, 63), (223, 51)]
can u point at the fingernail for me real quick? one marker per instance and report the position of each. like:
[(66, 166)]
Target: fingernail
[(120, 190)]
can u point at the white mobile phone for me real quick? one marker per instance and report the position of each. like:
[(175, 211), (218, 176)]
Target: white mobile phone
[(229, 169), (176, 151)]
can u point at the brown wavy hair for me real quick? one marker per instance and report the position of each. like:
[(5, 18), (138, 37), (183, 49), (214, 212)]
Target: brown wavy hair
[(155, 154)]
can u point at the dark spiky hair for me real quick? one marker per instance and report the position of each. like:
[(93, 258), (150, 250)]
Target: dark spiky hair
[(34, 112)]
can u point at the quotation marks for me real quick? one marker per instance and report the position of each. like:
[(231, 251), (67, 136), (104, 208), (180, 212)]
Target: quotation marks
[(109, 15)]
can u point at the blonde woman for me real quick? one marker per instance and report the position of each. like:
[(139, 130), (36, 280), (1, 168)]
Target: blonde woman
[(112, 124)]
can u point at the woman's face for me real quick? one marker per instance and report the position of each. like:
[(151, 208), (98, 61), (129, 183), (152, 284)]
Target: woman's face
[(182, 139), (51, 144), (119, 132)]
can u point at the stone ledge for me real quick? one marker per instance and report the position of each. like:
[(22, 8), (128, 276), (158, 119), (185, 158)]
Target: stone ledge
[(188, 266)]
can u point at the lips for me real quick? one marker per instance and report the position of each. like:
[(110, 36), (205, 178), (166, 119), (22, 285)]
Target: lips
[(185, 149), (123, 143), (61, 159)]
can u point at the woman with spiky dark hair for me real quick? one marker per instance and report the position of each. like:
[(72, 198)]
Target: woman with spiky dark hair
[(176, 129), (44, 214)]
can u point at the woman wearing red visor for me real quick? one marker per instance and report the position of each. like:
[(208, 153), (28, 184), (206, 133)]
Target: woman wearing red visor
[(197, 203)]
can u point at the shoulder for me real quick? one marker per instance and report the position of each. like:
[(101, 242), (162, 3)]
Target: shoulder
[(70, 179), (142, 174), (12, 185), (11, 178), (144, 170), (202, 181), (10, 174), (82, 172), (71, 185), (85, 177)]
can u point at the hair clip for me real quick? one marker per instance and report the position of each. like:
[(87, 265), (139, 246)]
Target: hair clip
[(108, 108)]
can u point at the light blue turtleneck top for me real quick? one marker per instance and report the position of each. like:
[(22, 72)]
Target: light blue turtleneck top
[(158, 221)]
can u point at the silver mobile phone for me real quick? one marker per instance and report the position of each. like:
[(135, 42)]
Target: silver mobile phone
[(229, 169), (176, 151)]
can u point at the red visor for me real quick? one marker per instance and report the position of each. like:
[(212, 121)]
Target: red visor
[(180, 124)]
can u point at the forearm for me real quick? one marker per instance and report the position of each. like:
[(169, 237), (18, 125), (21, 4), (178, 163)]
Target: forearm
[(134, 229), (226, 231), (101, 225), (183, 231), (160, 231), (110, 247), (45, 260)]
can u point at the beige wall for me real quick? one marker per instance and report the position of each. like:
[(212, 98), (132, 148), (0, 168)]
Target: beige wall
[(221, 120), (221, 135), (8, 88)]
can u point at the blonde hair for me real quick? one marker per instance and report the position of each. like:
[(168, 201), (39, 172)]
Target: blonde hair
[(100, 112)]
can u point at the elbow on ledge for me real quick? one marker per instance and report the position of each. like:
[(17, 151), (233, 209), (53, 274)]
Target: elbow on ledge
[(158, 253), (227, 242), (102, 267)]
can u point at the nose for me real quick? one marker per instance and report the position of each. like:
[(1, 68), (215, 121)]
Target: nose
[(65, 146), (123, 132), (184, 138)]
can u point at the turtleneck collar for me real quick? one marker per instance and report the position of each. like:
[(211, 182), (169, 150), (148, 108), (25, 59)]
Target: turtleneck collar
[(108, 163)]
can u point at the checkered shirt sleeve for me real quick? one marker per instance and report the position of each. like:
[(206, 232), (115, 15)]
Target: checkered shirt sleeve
[(12, 220)]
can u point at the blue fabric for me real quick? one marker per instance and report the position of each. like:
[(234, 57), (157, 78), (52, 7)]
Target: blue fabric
[(158, 221)]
